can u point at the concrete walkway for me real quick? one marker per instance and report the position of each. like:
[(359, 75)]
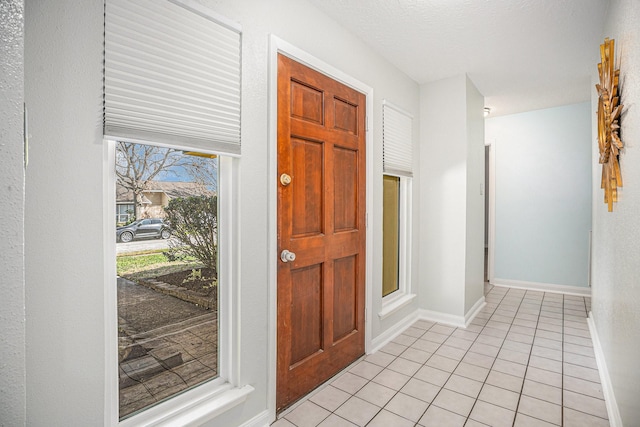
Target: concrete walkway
[(166, 345)]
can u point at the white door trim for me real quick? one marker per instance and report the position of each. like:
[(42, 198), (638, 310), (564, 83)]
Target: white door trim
[(491, 193), (277, 45)]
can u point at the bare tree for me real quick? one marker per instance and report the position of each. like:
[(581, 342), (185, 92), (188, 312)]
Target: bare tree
[(137, 165)]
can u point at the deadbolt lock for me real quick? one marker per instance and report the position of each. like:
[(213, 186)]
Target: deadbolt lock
[(285, 179)]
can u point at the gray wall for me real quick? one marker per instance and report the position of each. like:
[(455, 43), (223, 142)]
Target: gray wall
[(542, 195), (12, 310), (616, 235)]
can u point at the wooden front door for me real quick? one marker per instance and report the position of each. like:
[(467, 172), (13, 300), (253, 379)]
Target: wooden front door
[(321, 219)]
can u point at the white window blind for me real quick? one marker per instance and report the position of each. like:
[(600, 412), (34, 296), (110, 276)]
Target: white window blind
[(396, 140), (172, 75)]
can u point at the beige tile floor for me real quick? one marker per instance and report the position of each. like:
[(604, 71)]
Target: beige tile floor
[(526, 360)]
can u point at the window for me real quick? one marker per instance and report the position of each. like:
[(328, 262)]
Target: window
[(396, 209), (125, 213), (168, 293), (172, 121)]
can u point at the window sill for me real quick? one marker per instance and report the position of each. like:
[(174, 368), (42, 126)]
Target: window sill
[(395, 304), (193, 407)]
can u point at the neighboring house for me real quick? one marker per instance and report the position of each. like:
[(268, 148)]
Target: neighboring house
[(151, 202)]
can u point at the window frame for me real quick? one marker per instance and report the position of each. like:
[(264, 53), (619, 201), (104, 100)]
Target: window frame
[(208, 400), (404, 294)]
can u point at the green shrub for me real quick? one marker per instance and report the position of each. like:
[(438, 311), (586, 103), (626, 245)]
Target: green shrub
[(194, 224)]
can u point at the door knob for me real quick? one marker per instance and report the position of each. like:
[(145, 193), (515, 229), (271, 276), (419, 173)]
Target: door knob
[(287, 256)]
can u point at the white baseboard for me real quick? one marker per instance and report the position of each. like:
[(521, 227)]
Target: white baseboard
[(448, 319), (263, 419), (615, 420), (473, 312), (543, 287), (381, 340)]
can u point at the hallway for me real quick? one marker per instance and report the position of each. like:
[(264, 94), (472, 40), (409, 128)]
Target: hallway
[(526, 360)]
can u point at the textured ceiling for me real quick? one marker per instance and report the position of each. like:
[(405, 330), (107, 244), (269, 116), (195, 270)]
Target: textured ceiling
[(521, 54)]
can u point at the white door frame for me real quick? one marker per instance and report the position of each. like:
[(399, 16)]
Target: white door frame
[(276, 46), (491, 222)]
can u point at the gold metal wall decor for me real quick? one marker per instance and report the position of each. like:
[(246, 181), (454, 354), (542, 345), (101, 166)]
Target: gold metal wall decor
[(609, 109)]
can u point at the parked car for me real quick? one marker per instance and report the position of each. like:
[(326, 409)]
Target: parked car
[(143, 228)]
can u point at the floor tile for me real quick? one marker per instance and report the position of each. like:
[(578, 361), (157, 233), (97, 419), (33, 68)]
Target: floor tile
[(472, 372), (524, 338), (443, 363), (416, 355), (578, 340), (478, 359), (380, 358), (546, 352), (421, 390), (543, 392), (499, 396), (463, 385), (414, 332), (404, 366), (574, 418), (454, 402), (488, 339), (394, 349), (460, 343), (389, 419), (577, 359), (375, 393), (584, 387), (492, 415), (513, 356), (330, 398), (432, 375), (425, 345), (583, 403), (487, 350), (465, 334), (357, 411), (407, 407), (543, 376), (505, 381), (349, 382), (391, 379), (438, 417), (581, 372), (307, 414), (523, 420), (366, 370), (544, 363), (579, 349), (540, 409), (451, 352), (404, 340), (282, 422), (510, 368), (442, 329), (335, 421), (430, 335), (545, 342)]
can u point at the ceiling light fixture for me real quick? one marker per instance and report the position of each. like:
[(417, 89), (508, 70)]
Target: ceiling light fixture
[(487, 111)]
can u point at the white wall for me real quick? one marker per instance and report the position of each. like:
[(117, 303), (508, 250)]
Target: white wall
[(12, 311), (474, 262), (542, 195), (616, 235), (64, 201), (451, 209)]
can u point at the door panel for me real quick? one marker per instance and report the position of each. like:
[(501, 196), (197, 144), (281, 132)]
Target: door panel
[(321, 218)]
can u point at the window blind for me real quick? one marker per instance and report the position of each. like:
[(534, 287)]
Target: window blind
[(171, 75), (396, 140)]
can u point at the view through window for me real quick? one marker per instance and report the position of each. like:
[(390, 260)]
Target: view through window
[(167, 272)]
